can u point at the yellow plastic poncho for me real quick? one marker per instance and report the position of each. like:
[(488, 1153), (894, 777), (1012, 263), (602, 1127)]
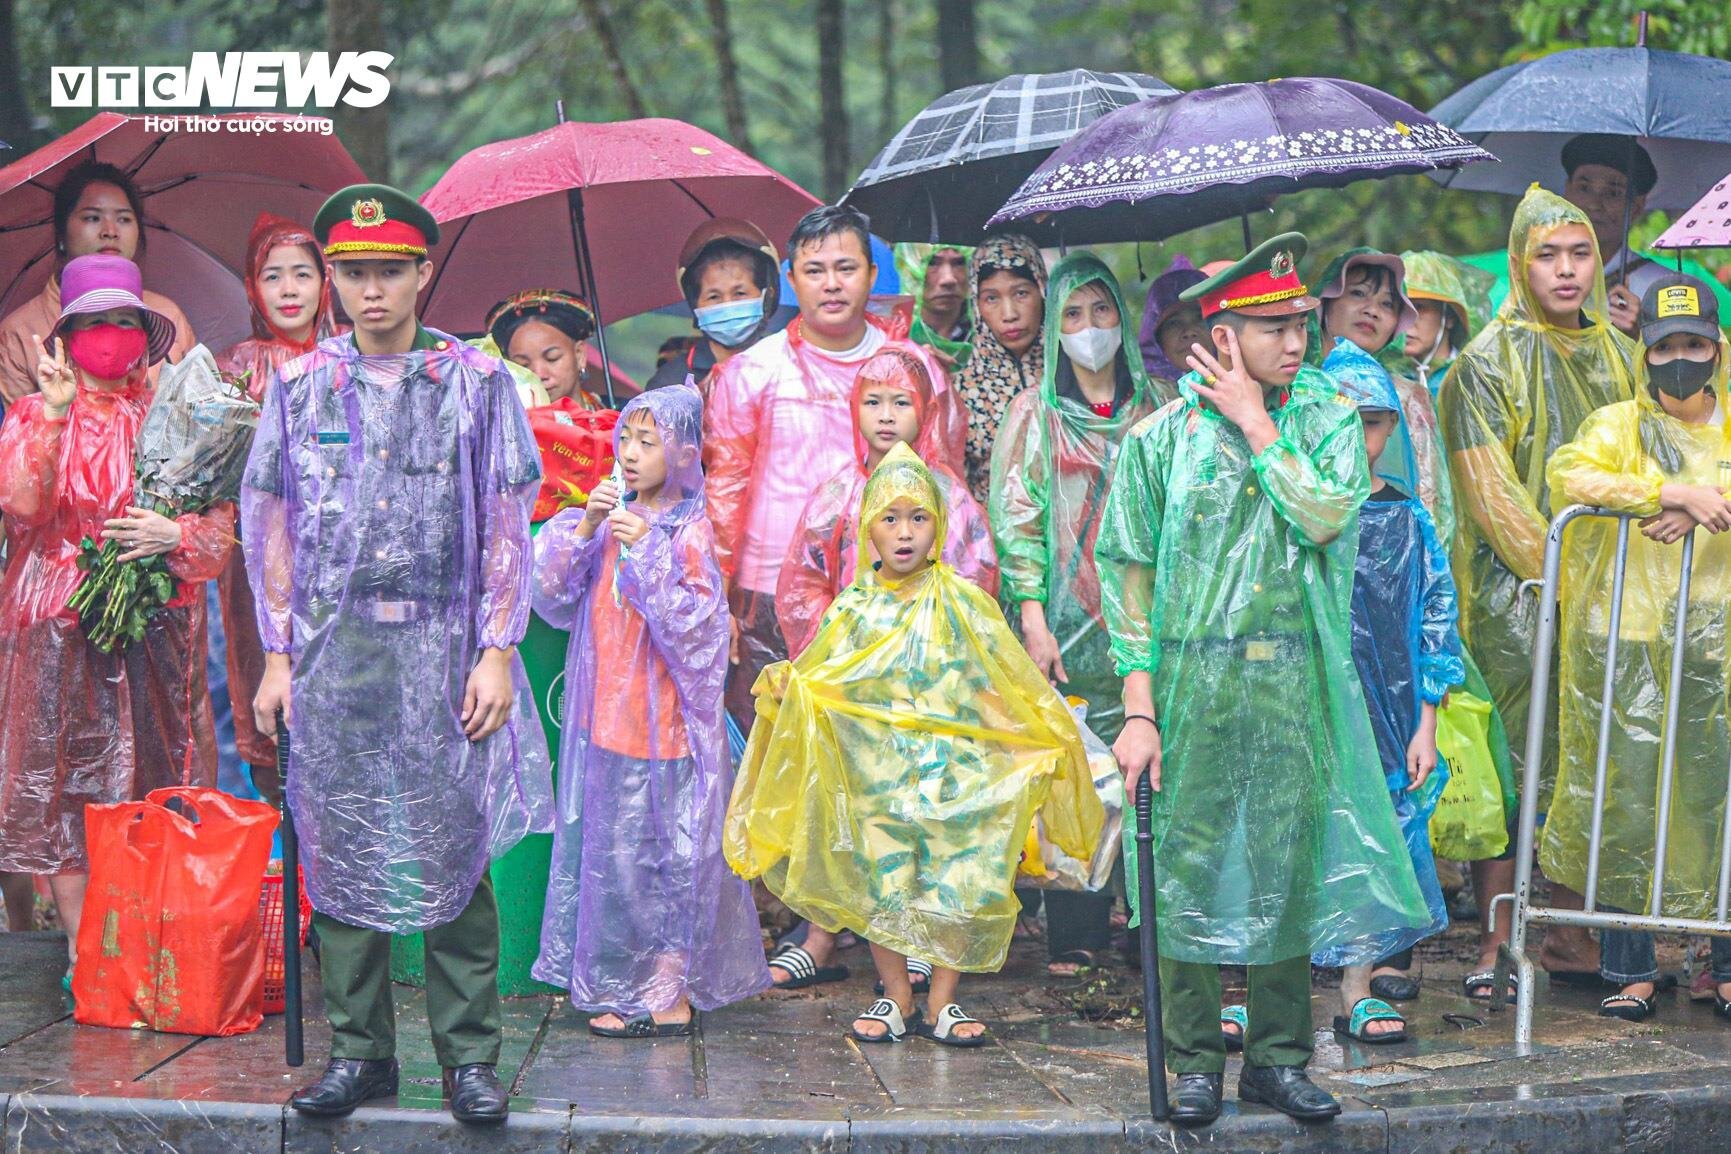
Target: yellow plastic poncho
[(1517, 392), (896, 765), (1621, 456)]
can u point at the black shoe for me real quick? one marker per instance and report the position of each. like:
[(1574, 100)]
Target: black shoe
[(346, 1083), (1196, 1099), (1289, 1090), (475, 1094)]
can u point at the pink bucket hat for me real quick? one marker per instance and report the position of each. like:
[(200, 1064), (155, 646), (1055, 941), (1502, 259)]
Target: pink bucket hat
[(99, 282), (1396, 267)]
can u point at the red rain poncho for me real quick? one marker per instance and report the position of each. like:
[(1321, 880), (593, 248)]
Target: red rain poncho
[(823, 556), (84, 727)]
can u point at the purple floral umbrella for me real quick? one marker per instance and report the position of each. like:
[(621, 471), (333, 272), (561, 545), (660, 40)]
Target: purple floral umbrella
[(1173, 163)]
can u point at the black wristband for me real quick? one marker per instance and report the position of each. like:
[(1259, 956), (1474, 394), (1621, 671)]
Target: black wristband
[(1129, 717)]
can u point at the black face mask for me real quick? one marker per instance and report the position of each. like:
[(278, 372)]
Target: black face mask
[(1682, 378)]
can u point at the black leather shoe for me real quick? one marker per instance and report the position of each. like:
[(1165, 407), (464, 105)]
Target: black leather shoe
[(346, 1083), (1289, 1090), (475, 1094), (1196, 1099)]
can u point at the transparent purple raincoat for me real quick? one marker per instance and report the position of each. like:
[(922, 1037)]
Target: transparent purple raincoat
[(641, 906), (386, 526)]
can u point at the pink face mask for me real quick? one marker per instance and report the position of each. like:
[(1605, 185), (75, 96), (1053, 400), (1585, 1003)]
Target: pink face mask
[(107, 352)]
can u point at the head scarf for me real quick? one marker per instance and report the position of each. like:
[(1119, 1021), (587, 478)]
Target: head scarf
[(900, 369), (1162, 299), (912, 262), (678, 414), (1076, 271), (269, 231), (993, 375)]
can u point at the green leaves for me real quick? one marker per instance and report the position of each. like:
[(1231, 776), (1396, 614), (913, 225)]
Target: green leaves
[(116, 599)]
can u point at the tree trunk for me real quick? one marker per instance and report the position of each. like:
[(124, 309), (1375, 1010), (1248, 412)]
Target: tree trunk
[(833, 98), (15, 126), (603, 29), (887, 123), (358, 26), (732, 98), (958, 45)]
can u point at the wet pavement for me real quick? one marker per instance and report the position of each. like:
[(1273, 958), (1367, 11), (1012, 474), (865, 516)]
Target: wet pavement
[(778, 1073)]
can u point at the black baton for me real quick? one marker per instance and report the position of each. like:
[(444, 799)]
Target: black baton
[(1150, 949), (294, 1051)]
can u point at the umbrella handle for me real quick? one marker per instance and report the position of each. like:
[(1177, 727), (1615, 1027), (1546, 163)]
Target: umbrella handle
[(1152, 1019), (294, 1049)]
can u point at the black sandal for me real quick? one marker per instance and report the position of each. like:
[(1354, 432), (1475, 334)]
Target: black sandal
[(1399, 987), (919, 977), (1485, 981), (1630, 1007), (1721, 1006), (644, 1026), (802, 969)]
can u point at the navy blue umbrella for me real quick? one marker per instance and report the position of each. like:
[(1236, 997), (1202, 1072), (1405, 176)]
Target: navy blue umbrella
[(1677, 105)]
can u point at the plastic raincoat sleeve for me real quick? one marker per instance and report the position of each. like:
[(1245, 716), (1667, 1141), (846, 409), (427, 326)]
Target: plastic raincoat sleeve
[(513, 472), (29, 458), (730, 424), (1488, 488), (1019, 485), (205, 539), (1596, 468), (266, 535), (1318, 494), (1440, 667), (809, 580), (565, 567), (1128, 548), (668, 577)]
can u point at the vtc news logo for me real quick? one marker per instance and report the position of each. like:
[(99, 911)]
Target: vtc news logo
[(229, 80)]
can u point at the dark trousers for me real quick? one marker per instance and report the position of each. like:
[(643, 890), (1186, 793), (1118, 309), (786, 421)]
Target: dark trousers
[(1278, 1008), (462, 959)]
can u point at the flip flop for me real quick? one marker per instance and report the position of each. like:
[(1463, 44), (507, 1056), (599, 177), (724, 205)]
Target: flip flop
[(1234, 1015), (919, 976), (1400, 987), (943, 1029), (802, 969), (1487, 980), (1364, 1012), (644, 1026), (886, 1011)]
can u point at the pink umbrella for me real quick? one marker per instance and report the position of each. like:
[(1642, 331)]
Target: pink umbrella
[(1705, 225), (202, 191), (599, 208)]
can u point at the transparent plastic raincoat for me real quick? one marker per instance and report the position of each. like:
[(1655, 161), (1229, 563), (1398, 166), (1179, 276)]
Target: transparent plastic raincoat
[(641, 907), (1228, 578), (897, 765), (1619, 458), (821, 561), (1052, 467), (1516, 393), (1435, 276), (1403, 633), (386, 513), (913, 261), (77, 726)]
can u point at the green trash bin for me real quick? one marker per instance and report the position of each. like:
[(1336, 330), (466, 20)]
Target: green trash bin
[(520, 877)]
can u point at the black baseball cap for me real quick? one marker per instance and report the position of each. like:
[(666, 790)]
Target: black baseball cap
[(1679, 303)]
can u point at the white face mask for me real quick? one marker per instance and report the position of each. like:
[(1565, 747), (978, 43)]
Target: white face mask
[(1093, 348)]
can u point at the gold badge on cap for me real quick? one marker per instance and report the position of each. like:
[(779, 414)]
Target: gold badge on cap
[(367, 213), (1282, 265), (1679, 300)]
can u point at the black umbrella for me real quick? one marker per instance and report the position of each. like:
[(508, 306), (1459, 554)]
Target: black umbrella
[(952, 165)]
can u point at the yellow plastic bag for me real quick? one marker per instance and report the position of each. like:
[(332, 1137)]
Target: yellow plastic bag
[(1468, 824)]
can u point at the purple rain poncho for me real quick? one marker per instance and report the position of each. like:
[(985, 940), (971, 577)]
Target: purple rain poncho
[(386, 527), (641, 906)]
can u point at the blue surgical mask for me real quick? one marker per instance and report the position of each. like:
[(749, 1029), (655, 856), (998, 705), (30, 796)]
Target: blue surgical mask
[(731, 324)]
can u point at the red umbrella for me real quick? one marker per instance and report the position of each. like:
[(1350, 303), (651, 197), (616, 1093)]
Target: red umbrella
[(202, 191), (598, 208)]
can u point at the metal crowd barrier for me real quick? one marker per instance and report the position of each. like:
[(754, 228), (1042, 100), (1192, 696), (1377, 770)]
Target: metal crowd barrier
[(1524, 912)]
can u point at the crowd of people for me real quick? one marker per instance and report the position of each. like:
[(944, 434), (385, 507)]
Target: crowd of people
[(931, 565)]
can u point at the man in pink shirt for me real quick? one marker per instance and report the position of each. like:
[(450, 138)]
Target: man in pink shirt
[(779, 420)]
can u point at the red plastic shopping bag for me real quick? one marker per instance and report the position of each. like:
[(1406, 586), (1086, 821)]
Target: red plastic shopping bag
[(576, 453), (170, 938)]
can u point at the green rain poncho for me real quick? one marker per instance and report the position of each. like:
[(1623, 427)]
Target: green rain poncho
[(912, 261), (1227, 577), (1051, 468), (1435, 276), (1516, 393), (1620, 457)]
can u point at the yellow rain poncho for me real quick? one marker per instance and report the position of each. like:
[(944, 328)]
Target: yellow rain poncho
[(1619, 459), (1517, 392), (897, 764)]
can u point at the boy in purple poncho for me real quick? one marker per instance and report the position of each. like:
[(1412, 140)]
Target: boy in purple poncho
[(644, 921)]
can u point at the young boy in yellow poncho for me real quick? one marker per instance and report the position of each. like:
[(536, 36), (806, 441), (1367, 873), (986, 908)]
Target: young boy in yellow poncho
[(899, 761)]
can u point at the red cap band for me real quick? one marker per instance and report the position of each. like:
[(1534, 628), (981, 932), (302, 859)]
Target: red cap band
[(1259, 288), (395, 237)]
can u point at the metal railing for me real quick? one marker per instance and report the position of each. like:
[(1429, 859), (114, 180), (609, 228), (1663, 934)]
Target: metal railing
[(1524, 912)]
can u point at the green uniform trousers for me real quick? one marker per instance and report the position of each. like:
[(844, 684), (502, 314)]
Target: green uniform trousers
[(1278, 1007), (462, 959)]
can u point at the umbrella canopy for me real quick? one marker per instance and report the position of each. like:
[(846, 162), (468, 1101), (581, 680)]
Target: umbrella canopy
[(1706, 224), (506, 216), (949, 169), (202, 191), (1173, 163), (1678, 105)]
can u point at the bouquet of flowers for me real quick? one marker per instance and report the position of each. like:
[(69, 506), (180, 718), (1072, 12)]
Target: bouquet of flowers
[(192, 451)]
